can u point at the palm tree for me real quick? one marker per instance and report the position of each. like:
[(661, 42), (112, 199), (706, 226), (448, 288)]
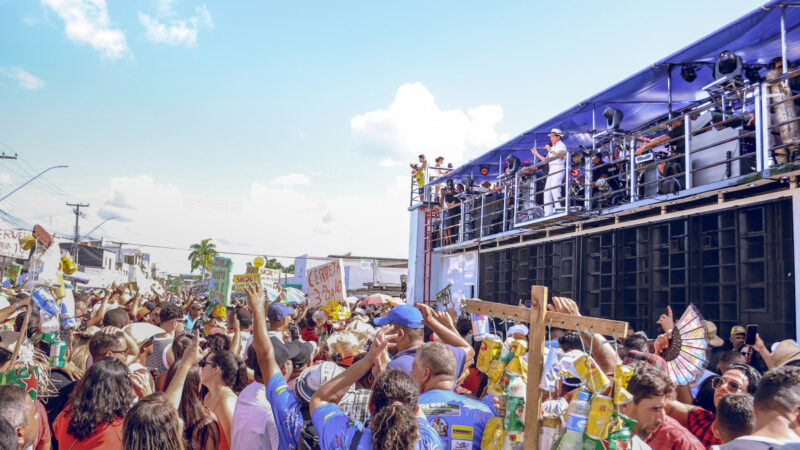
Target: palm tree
[(202, 256)]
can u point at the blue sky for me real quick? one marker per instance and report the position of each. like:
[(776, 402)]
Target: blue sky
[(267, 125)]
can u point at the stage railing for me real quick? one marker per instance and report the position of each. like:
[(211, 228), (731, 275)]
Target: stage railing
[(738, 131)]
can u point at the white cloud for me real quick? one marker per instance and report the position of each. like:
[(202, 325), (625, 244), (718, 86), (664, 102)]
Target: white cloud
[(273, 220), (5, 179), (415, 124), (87, 21), (292, 179), (24, 79), (165, 28)]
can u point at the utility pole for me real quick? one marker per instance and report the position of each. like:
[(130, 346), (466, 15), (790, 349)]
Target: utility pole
[(78, 215), (4, 156)]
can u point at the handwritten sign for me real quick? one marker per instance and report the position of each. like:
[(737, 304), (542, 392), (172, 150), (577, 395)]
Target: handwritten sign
[(202, 286), (9, 243), (270, 278), (326, 284), (221, 274), (240, 281)]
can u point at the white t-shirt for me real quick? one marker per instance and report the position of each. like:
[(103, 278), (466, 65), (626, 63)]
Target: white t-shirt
[(559, 147), (253, 425), (752, 443)]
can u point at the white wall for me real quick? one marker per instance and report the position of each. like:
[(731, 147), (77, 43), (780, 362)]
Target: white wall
[(462, 271)]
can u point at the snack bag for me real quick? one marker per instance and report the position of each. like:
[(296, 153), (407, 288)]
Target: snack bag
[(493, 434), (491, 347), (619, 436), (518, 347), (515, 414), (590, 443), (497, 378), (622, 376)]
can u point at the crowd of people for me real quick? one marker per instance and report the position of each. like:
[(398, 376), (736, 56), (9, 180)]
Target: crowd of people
[(149, 371)]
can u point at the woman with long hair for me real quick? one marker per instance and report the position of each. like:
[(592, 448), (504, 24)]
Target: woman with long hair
[(224, 375), (395, 424), (153, 424), (94, 415)]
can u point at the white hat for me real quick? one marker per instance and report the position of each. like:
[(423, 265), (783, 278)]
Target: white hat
[(555, 131)]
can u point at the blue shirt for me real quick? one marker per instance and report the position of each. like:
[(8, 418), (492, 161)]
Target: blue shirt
[(458, 419), (403, 360), (286, 410), (336, 431), (190, 322)]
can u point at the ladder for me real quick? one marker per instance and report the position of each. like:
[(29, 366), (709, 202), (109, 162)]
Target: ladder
[(427, 255)]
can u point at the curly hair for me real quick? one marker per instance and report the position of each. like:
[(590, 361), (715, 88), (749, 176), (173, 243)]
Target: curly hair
[(102, 395), (394, 424), (153, 424), (200, 424), (218, 342), (232, 369)]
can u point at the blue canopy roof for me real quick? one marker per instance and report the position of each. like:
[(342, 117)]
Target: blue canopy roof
[(642, 97)]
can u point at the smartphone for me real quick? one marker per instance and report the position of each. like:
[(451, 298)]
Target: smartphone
[(750, 338)]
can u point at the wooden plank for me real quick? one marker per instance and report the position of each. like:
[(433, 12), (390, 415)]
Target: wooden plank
[(536, 342), (601, 326), (476, 306)]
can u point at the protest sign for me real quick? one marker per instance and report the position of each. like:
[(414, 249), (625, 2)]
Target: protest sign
[(202, 286), (326, 284), (221, 274), (9, 243), (240, 281), (270, 278)]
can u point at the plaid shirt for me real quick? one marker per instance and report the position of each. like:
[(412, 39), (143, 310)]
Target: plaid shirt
[(699, 423), (355, 404), (672, 436)]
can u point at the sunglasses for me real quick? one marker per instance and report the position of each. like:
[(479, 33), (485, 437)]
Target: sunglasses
[(729, 385), (205, 363)]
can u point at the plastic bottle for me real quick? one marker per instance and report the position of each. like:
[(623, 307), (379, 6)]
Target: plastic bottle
[(577, 416)]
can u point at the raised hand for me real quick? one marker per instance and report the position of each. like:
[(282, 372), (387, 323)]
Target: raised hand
[(666, 321)]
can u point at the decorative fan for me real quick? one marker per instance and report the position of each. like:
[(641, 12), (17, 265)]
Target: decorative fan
[(687, 354)]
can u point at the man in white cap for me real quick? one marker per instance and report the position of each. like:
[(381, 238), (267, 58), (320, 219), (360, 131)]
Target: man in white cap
[(555, 169)]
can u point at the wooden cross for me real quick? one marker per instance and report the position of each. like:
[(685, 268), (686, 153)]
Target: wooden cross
[(539, 318)]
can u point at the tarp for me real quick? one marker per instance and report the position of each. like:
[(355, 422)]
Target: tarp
[(642, 97)]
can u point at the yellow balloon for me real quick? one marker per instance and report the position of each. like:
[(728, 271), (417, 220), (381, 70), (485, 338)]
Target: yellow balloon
[(259, 261)]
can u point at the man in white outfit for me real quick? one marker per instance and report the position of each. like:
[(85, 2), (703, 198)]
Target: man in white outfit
[(555, 178)]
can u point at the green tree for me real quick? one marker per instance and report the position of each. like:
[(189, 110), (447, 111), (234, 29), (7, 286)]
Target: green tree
[(273, 263), (202, 256)]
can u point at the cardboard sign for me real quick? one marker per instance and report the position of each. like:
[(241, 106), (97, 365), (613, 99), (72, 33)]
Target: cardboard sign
[(270, 278), (9, 243), (326, 284), (240, 281), (221, 274)]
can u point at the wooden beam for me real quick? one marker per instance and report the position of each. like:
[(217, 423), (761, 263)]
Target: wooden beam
[(600, 326), (536, 341), (476, 306)]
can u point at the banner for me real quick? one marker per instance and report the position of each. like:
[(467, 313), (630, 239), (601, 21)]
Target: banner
[(270, 278), (202, 286), (221, 274), (9, 243), (326, 284)]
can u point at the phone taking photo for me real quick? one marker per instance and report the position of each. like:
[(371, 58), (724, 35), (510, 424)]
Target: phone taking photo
[(750, 338)]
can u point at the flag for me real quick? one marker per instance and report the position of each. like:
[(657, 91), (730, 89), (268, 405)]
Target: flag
[(24, 377)]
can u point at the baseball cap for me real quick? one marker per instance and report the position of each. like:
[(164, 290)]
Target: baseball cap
[(284, 351), (313, 378), (277, 311), (404, 315), (738, 329), (304, 351)]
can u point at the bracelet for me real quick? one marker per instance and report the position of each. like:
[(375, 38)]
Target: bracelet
[(16, 306)]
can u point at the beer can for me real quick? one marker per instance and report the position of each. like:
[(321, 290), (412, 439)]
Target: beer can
[(600, 413), (58, 353), (622, 376), (515, 414), (591, 375), (67, 264)]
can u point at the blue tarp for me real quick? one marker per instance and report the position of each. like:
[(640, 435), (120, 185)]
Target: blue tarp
[(642, 97)]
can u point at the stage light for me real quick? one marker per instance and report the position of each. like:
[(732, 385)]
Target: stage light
[(613, 117), (484, 170), (513, 164), (752, 74), (728, 65), (688, 73)]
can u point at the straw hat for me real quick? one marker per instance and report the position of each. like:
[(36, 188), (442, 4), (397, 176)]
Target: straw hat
[(711, 334), (140, 332), (786, 352)]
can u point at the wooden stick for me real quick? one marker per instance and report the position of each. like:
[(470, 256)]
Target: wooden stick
[(600, 326), (20, 339), (536, 342)]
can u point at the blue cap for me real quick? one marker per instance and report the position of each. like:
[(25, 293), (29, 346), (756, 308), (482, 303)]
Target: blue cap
[(278, 311), (403, 315)]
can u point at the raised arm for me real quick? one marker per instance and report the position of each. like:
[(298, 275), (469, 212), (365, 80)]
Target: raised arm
[(442, 325), (602, 352), (261, 343), (191, 356), (334, 390)]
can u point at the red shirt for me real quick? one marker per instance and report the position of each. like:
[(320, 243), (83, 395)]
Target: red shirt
[(105, 436), (672, 436), (44, 437), (699, 423)]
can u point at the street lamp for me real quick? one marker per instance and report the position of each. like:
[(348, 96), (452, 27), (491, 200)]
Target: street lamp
[(35, 177)]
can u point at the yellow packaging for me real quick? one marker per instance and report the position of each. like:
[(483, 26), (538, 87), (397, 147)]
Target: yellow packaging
[(519, 347), (622, 376), (593, 378), (67, 264), (27, 242), (491, 347), (600, 413), (497, 378), (493, 434)]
